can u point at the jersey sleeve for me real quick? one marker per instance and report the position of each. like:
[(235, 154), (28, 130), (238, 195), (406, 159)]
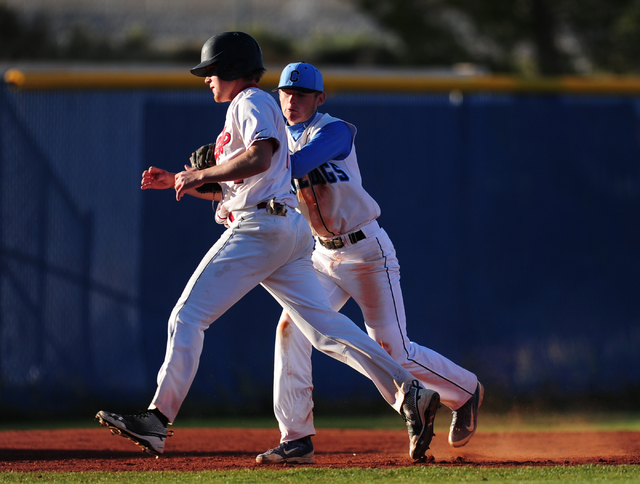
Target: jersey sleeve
[(332, 142), (257, 120)]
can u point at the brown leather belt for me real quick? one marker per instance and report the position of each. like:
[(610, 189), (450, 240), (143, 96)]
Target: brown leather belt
[(337, 243)]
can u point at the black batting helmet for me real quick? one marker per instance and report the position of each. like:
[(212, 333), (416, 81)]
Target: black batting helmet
[(229, 56)]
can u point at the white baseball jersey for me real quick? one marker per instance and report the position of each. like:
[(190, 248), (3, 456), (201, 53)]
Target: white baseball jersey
[(274, 250), (335, 204), (332, 198), (253, 115)]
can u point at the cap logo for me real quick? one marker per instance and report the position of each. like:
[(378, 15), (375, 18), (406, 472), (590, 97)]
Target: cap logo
[(294, 76)]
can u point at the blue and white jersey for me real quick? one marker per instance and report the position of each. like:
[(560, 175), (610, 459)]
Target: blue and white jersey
[(331, 195)]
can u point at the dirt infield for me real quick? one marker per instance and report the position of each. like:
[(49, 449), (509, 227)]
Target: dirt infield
[(214, 448)]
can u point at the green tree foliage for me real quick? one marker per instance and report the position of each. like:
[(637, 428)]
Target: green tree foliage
[(609, 32), (82, 44), (419, 25), (9, 30), (34, 40), (24, 40), (549, 37)]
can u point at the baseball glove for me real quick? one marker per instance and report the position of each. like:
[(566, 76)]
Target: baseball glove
[(203, 158)]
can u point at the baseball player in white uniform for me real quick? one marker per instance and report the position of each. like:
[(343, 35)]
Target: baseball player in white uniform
[(267, 242), (353, 257)]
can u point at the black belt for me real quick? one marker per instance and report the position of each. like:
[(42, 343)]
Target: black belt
[(260, 206), (334, 244)]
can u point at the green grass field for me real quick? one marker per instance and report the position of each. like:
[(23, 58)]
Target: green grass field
[(408, 475), (512, 422)]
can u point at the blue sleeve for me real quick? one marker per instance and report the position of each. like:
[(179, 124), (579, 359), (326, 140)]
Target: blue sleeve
[(333, 142)]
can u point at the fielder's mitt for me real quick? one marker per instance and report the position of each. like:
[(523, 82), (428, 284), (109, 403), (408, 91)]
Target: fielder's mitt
[(203, 158)]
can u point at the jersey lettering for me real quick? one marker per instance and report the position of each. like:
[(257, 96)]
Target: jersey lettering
[(316, 178), (342, 176), (325, 173), (328, 174), (222, 140)]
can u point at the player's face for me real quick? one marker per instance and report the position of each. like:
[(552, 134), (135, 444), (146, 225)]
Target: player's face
[(297, 106), (223, 91)]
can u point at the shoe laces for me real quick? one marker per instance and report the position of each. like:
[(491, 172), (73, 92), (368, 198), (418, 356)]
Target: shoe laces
[(410, 404), (148, 414)]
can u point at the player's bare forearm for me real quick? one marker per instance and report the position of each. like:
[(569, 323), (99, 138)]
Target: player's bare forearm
[(254, 161)]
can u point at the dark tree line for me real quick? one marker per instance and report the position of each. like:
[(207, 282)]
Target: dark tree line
[(34, 39), (21, 39), (531, 37), (548, 37)]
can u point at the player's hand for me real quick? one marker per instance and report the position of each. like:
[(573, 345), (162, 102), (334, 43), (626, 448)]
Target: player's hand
[(157, 179), (186, 180)]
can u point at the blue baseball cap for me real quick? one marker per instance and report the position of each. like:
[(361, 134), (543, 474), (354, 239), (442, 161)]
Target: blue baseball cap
[(301, 76)]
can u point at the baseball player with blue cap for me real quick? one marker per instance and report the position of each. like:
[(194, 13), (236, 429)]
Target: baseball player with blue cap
[(353, 258)]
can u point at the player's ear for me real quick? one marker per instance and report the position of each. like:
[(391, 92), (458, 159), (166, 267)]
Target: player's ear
[(320, 99)]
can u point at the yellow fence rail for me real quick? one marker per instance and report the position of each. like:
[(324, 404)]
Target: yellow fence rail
[(337, 81)]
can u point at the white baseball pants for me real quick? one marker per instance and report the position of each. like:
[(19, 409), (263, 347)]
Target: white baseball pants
[(369, 272), (274, 251)]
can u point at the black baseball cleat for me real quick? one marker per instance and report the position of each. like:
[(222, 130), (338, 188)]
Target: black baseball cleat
[(465, 419), (145, 429), (295, 452), (419, 411)]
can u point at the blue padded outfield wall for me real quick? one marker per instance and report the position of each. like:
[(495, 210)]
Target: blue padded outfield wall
[(516, 218)]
